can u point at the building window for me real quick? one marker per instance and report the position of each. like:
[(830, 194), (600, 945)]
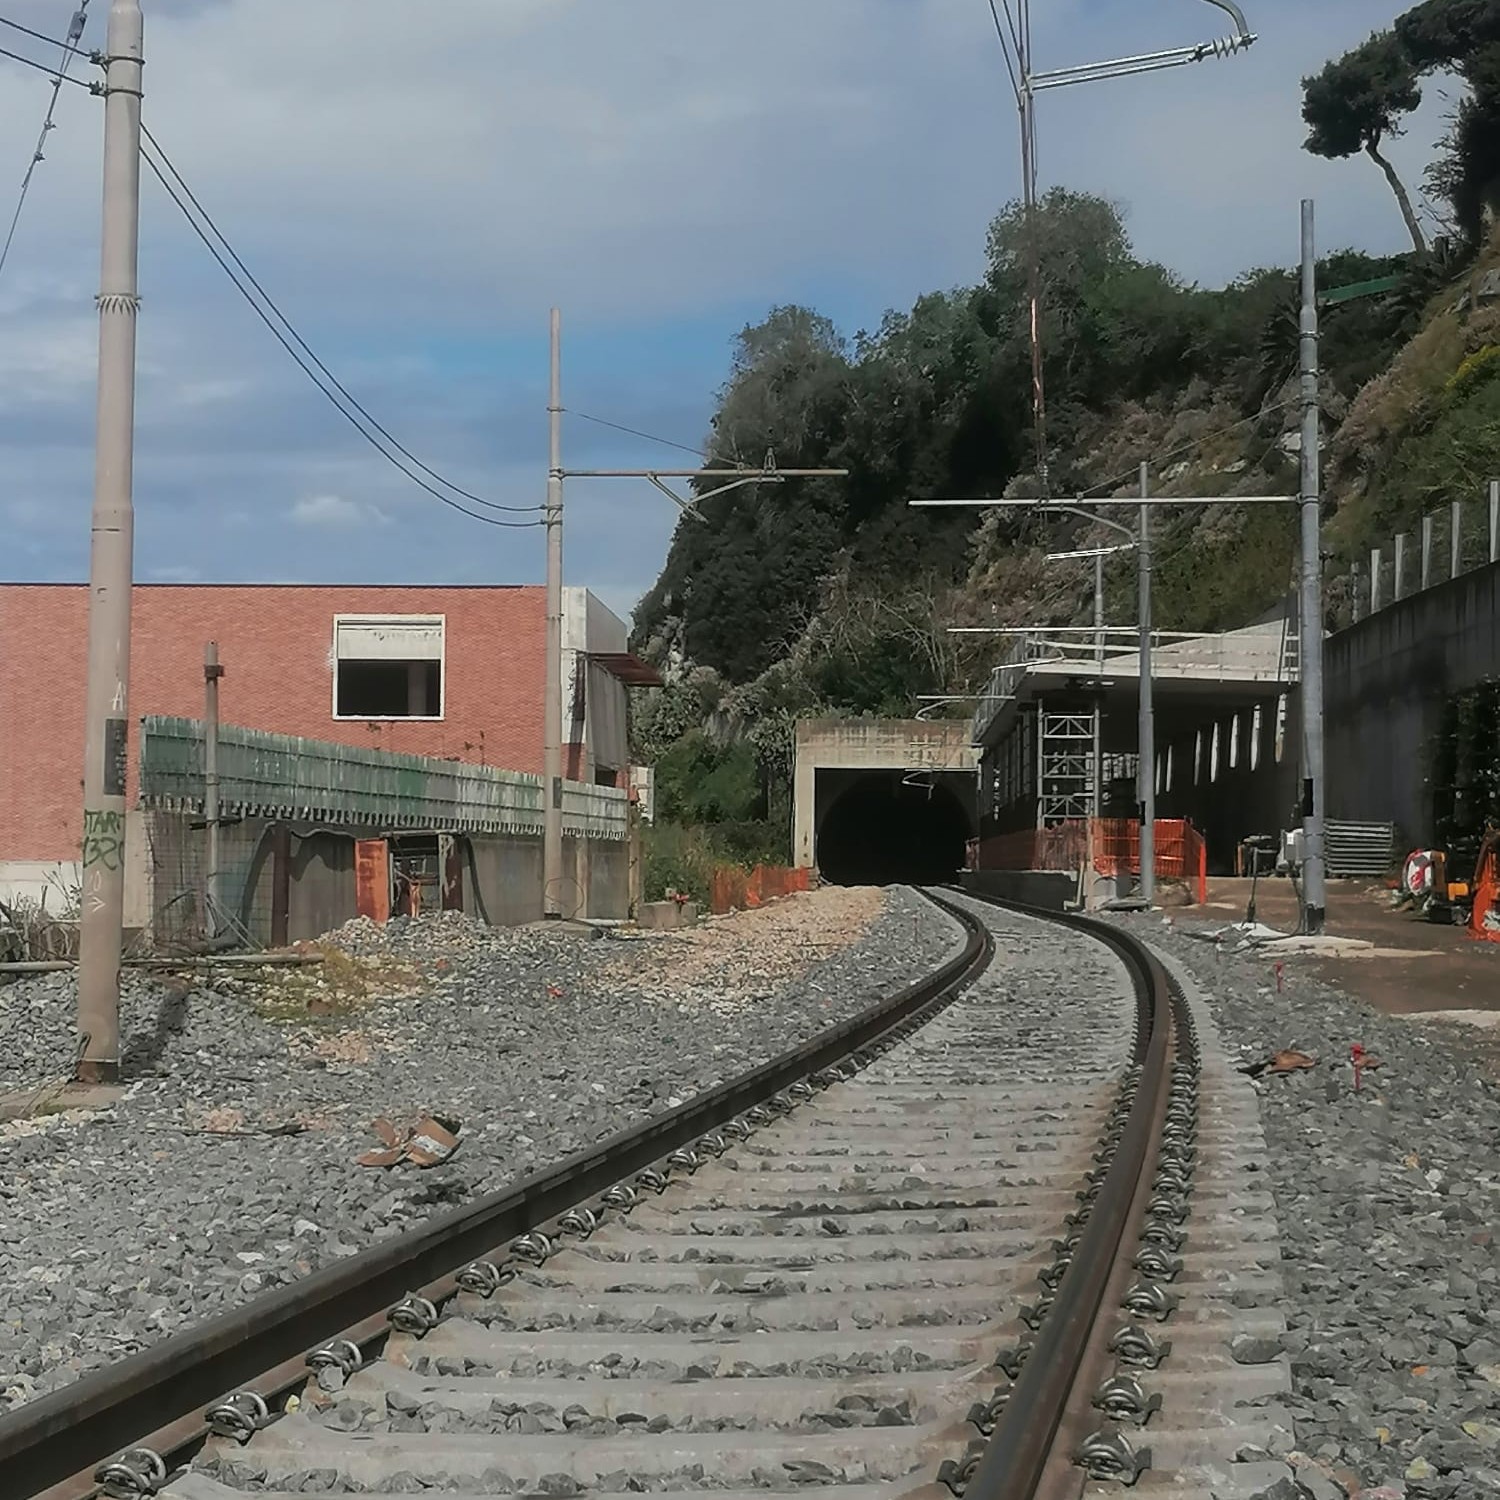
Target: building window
[(388, 667), (1280, 728), (1197, 757), (1256, 729), (1234, 743), (1213, 756), (1170, 766)]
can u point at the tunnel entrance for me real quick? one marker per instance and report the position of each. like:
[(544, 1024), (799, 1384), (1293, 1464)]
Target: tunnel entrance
[(881, 831)]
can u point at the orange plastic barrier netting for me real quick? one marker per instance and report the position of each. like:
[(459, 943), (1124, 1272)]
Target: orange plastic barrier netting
[(733, 889), (1112, 845)]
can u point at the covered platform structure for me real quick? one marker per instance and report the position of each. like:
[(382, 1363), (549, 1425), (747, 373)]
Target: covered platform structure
[(1058, 730)]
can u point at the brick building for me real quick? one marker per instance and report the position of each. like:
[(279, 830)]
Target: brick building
[(449, 672)]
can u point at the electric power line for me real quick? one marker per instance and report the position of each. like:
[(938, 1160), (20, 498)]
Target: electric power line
[(308, 369), (302, 343), (70, 51)]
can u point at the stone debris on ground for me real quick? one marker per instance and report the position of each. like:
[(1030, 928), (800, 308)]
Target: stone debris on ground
[(1388, 1202), (228, 1166)]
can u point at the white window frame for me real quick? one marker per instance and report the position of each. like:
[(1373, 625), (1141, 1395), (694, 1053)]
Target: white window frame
[(441, 621)]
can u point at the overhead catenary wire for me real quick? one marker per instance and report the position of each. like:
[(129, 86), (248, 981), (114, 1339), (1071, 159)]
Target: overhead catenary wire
[(650, 437), (43, 68), (1096, 490), (1015, 82), (311, 365), (40, 36), (70, 51)]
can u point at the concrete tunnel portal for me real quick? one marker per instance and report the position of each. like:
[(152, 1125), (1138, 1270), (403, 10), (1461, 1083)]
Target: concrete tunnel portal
[(887, 829), (884, 801)]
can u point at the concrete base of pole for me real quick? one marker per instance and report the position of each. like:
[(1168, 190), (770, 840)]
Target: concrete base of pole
[(94, 1074)]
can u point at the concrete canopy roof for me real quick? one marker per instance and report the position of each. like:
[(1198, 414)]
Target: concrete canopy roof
[(1230, 666)]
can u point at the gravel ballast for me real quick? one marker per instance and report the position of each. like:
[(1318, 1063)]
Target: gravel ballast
[(1388, 1201), (229, 1166)]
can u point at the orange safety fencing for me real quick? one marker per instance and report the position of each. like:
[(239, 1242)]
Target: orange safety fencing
[(734, 889), (1111, 845), (1064, 846)]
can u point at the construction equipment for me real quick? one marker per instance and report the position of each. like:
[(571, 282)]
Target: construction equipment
[(1429, 883)]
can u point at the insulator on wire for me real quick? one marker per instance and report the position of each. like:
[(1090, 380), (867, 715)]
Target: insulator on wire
[(1226, 46)]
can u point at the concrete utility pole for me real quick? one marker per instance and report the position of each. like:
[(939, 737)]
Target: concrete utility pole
[(732, 477), (552, 737), (212, 672), (1314, 899), (1146, 770), (106, 753), (1097, 803)]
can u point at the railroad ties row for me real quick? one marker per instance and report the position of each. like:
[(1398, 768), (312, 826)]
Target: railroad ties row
[(1199, 1383), (843, 1287), (815, 1300)]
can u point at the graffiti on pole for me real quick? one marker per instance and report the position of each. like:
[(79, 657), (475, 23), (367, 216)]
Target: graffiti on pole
[(103, 840)]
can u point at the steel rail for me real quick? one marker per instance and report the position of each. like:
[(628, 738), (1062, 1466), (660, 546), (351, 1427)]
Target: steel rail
[(158, 1398), (1022, 1448)]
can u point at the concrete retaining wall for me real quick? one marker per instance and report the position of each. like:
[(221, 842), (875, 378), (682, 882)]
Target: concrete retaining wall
[(1051, 890), (1387, 682)]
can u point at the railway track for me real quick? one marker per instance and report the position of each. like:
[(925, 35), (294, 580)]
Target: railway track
[(933, 1251)]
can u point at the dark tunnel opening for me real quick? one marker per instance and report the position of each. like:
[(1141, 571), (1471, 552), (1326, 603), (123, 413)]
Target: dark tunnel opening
[(884, 832)]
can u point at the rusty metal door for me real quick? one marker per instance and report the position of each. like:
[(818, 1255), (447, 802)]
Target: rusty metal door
[(372, 879)]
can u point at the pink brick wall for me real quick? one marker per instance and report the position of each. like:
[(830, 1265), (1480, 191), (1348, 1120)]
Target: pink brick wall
[(275, 643)]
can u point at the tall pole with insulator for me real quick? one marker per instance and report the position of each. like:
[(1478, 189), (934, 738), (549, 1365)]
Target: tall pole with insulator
[(106, 754)]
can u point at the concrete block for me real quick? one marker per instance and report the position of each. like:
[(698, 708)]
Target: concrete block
[(667, 916)]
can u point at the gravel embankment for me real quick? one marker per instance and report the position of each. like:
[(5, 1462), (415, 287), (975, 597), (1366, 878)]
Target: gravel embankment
[(1388, 1202), (229, 1166)]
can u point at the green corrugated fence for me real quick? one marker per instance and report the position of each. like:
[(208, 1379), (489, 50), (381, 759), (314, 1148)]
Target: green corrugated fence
[(281, 776)]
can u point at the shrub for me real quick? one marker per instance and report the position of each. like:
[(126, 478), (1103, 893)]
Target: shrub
[(683, 858), (1480, 366)]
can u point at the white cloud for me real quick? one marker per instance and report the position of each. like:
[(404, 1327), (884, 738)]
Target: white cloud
[(334, 511)]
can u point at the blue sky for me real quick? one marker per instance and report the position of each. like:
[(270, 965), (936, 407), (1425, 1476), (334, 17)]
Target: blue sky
[(417, 195)]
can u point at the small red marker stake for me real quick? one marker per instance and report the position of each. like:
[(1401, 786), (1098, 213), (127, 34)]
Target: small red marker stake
[(1280, 971), (1357, 1063)]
